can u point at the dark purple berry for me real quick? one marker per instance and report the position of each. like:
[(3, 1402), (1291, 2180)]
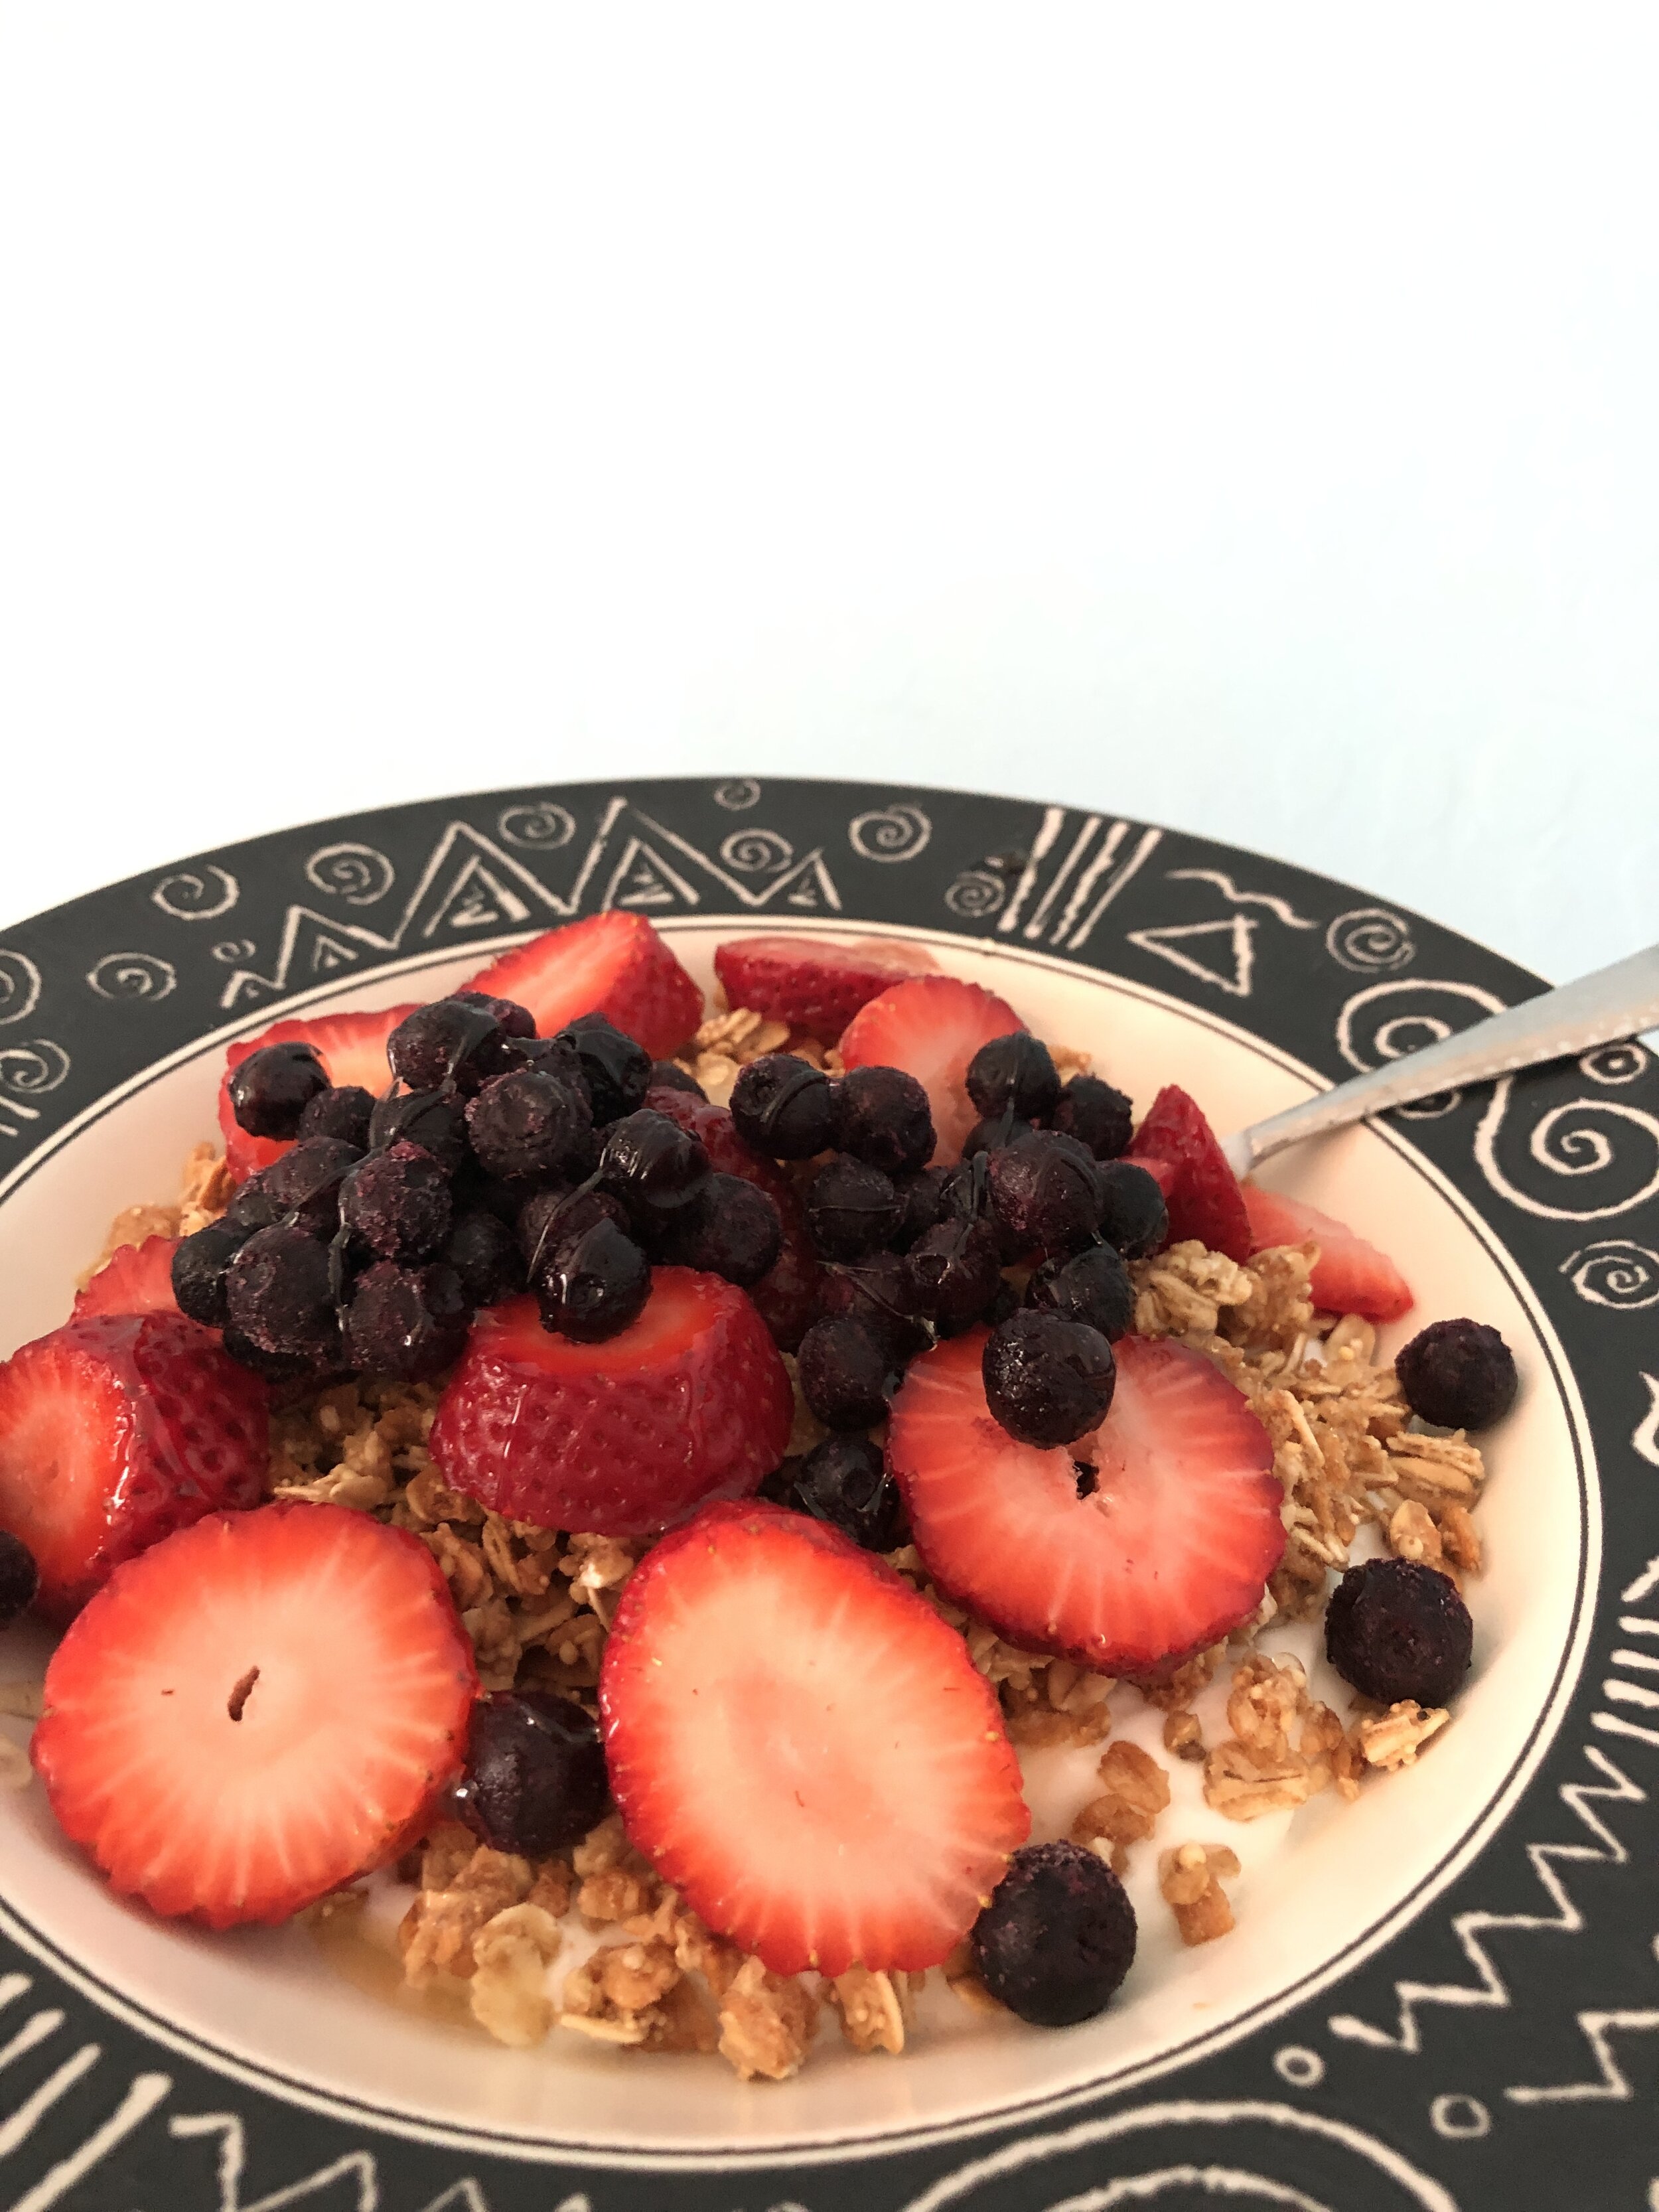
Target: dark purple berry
[(305, 1184), (535, 1781), (343, 1112), (851, 1209), (618, 1072), (592, 1285), (669, 1075), (1093, 1286), (1457, 1375), (1005, 1303), (1095, 1115), (273, 1086), (409, 1322), (278, 1292), (731, 1228), (398, 1202), (1048, 1381), (552, 1216), (956, 1271), (1045, 1193), (883, 1117), (994, 1133), (921, 1195), (844, 1480), (1014, 1073), (511, 1019), (435, 1120), (880, 1295), (555, 1056), (20, 1578), (784, 1107), (1134, 1219), (484, 1254), (1058, 1937), (843, 1371), (447, 1041), (527, 1125), (652, 1164), (200, 1268), (1395, 1629)]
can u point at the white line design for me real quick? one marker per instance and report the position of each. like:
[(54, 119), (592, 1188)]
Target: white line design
[(1614, 1272), (144, 2094), (233, 2158), (19, 987), (1613, 2087), (1410, 1027), (1149, 841), (1169, 944), (1053, 819), (1578, 1151), (1369, 940), (1079, 846), (26, 1070), (1213, 2180), (1491, 1992), (1459, 2120), (1645, 1440), (132, 976), (1068, 931), (359, 874), (1224, 883), (890, 834), (193, 894), (21, 2124), (541, 826)]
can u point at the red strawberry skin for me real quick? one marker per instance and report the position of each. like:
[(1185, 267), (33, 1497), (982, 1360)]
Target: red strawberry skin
[(614, 964), (114, 1432), (136, 1279), (932, 1026), (349, 1731), (1170, 1551), (622, 1439), (1204, 1198), (785, 1296), (1351, 1275), (814, 986), (803, 1748), (352, 1048)]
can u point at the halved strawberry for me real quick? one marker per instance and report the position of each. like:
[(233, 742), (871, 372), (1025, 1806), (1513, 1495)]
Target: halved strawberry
[(136, 1279), (115, 1431), (813, 985), (352, 1048), (1158, 1551), (1203, 1197), (623, 1437), (259, 1709), (786, 1295), (613, 964), (803, 1748), (932, 1027), (1351, 1276)]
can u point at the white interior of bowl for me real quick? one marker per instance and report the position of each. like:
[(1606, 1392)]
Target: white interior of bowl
[(1317, 1885)]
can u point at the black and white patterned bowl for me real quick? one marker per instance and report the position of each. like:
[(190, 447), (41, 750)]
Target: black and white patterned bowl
[(1437, 1996)]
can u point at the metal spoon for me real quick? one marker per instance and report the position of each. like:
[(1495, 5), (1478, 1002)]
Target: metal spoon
[(1614, 1003)]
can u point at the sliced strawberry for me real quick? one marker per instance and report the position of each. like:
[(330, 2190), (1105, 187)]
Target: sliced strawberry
[(136, 1279), (803, 1748), (352, 1048), (786, 1295), (932, 1027), (115, 1431), (813, 985), (613, 964), (262, 1707), (1351, 1276), (1168, 1549), (623, 1437), (1203, 1197)]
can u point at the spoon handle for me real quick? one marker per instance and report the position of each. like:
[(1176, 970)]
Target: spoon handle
[(1614, 1003)]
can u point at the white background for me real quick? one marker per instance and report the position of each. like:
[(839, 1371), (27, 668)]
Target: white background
[(1240, 416)]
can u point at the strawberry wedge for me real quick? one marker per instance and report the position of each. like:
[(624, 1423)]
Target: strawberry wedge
[(1351, 1275), (1200, 1188), (813, 985), (931, 1027), (352, 1048), (613, 964), (136, 1279)]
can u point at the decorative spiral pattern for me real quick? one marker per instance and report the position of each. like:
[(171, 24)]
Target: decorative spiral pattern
[(741, 792), (975, 894), (1615, 1063), (19, 987), (235, 948), (26, 1069), (1615, 1271), (356, 873), (541, 827), (1431, 1109), (132, 976), (197, 894), (1615, 1144), (756, 852), (1391, 1019), (889, 833), (1368, 940)]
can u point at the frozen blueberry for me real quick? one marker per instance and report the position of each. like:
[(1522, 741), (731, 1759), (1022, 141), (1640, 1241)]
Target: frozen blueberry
[(994, 1133), (435, 1120), (535, 1780), (921, 1196), (955, 1270), (1047, 1381), (343, 1112), (484, 1254), (784, 1107), (731, 1228), (843, 1371), (527, 1125), (1015, 1073), (447, 1041), (652, 1164), (1457, 1375), (883, 1118), (1092, 1286), (593, 1283), (1134, 1219), (880, 1295), (279, 1294), (1095, 1115), (1396, 1629), (20, 1578), (1058, 1937), (272, 1087), (669, 1075), (410, 1322), (1045, 1193), (844, 1480), (851, 1209), (398, 1202), (200, 1265), (618, 1072), (551, 1216)]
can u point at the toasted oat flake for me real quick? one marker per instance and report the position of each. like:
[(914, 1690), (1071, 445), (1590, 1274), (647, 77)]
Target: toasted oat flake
[(511, 1954), (872, 2011), (767, 2023), (1190, 1878), (1393, 1739)]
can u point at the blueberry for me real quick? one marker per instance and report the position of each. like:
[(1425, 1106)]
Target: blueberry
[(956, 1271), (409, 1322), (669, 1075), (199, 1268), (1093, 1286), (511, 1019), (435, 1120), (878, 1293), (484, 1254), (1013, 1073), (994, 1133), (844, 1480), (1045, 1193), (784, 1107), (273, 1086), (843, 1371), (651, 1163), (921, 1196), (398, 1202), (851, 1209), (1396, 1629), (883, 1118), (1458, 1375), (593, 1285), (447, 1041), (527, 1125), (1095, 1115), (552, 1216), (535, 1780), (1134, 1219), (618, 1072), (731, 1228), (1048, 1381), (20, 1578), (278, 1292), (305, 1184), (1058, 1937), (343, 1112)]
